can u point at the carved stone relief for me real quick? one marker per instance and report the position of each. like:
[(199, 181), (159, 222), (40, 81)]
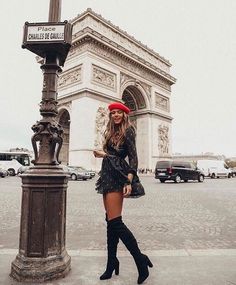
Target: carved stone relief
[(115, 58), (162, 102), (163, 139), (147, 88), (124, 78), (72, 52), (103, 77), (102, 118), (70, 77)]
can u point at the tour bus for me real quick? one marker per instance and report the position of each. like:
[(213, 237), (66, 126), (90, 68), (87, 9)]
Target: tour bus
[(13, 160)]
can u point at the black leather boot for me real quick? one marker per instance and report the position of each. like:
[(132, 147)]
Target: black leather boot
[(142, 261), (112, 261)]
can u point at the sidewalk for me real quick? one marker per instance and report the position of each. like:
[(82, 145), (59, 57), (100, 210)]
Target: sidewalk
[(171, 267)]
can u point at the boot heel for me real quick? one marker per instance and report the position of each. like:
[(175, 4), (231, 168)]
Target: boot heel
[(110, 269), (149, 263), (117, 269)]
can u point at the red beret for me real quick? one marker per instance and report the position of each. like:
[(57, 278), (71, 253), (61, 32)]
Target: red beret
[(119, 106)]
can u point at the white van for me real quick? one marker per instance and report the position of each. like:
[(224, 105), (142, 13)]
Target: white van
[(11, 166), (213, 168)]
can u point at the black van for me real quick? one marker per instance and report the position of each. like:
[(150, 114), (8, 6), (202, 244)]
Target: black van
[(177, 171)]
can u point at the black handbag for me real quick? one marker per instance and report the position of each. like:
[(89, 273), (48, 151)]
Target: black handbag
[(137, 190)]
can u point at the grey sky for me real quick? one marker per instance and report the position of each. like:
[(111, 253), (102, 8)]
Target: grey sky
[(198, 37)]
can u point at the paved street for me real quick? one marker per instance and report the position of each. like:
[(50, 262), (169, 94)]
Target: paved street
[(173, 223), (170, 217)]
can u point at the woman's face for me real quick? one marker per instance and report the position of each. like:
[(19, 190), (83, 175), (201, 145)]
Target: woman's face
[(117, 116)]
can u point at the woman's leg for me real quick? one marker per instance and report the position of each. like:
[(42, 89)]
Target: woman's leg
[(113, 207), (104, 202), (113, 203)]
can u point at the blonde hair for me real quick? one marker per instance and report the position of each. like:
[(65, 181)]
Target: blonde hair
[(116, 133)]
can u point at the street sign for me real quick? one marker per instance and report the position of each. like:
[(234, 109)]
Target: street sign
[(45, 33), (47, 38)]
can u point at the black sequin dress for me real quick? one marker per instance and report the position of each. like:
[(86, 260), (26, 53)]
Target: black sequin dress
[(115, 168)]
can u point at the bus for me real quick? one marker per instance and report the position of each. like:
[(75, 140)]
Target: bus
[(13, 160)]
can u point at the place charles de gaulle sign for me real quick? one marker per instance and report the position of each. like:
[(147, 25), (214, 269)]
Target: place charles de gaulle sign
[(45, 38)]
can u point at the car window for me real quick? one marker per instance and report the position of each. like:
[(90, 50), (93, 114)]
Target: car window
[(178, 164), (188, 165), (163, 164)]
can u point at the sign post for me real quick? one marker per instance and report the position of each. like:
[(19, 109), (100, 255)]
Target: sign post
[(42, 253)]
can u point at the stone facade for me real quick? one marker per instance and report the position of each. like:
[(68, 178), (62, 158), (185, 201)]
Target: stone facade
[(105, 64)]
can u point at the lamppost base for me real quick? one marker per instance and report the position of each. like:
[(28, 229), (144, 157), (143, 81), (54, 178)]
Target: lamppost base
[(42, 254), (30, 269)]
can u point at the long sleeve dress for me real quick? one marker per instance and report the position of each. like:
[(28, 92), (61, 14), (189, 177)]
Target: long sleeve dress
[(115, 168)]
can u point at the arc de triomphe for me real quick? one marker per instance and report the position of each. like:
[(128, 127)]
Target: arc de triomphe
[(105, 64)]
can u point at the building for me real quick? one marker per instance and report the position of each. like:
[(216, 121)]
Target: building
[(105, 64), (196, 157)]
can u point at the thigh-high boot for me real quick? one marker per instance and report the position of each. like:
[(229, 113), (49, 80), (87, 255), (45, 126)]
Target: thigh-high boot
[(142, 261), (112, 261)]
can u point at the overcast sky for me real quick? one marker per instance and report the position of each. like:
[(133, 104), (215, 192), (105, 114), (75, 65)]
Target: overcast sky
[(197, 37)]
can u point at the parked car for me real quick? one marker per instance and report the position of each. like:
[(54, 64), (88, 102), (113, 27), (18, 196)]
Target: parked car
[(3, 172), (76, 174), (177, 171), (91, 173)]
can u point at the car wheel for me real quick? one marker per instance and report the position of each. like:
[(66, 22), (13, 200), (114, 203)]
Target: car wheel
[(200, 178), (84, 179), (177, 179), (185, 180), (73, 177), (162, 180), (213, 175), (11, 172), (229, 175)]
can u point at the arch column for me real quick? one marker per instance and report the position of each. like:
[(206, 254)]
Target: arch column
[(143, 140)]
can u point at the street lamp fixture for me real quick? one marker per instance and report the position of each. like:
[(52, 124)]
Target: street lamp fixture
[(42, 254)]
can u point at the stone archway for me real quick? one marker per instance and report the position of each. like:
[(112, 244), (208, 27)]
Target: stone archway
[(134, 98), (64, 121)]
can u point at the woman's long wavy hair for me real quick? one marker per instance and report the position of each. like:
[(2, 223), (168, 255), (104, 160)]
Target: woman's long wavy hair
[(116, 133)]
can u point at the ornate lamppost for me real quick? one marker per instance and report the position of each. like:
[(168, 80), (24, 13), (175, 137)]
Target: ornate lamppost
[(42, 254)]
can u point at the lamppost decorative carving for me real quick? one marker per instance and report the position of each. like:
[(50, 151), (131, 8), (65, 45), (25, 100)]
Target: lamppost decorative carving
[(42, 254)]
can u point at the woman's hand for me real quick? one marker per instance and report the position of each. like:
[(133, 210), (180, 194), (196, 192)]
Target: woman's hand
[(99, 153), (127, 190)]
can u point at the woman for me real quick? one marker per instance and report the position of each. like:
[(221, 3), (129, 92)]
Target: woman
[(115, 183)]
